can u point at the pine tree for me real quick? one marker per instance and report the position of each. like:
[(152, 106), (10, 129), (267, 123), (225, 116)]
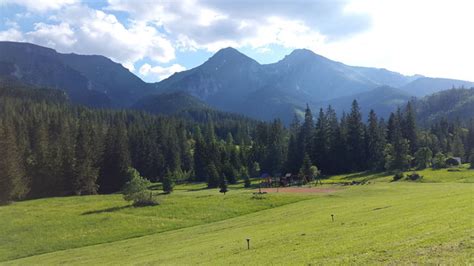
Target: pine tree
[(212, 176), (116, 160), (40, 166), (409, 127), (321, 141), (355, 140), (375, 143), (334, 140), (86, 171), (458, 146), (200, 156), (223, 185), (168, 182), (397, 152), (13, 184), (305, 170)]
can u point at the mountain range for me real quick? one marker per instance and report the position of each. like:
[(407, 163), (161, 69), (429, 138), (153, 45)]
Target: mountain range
[(228, 81)]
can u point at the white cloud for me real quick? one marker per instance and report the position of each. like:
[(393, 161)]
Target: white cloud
[(40, 5), (55, 36), (211, 24), (147, 70), (427, 37), (83, 30), (12, 34)]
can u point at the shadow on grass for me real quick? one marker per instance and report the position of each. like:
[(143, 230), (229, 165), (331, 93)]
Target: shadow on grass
[(373, 175), (113, 209)]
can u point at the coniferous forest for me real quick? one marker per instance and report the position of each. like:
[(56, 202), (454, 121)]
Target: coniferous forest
[(54, 148)]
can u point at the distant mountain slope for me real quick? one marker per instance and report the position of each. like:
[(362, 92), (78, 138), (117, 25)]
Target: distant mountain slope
[(450, 104), (229, 81), (222, 81), (170, 103), (11, 87), (233, 82), (426, 86), (383, 100), (89, 80)]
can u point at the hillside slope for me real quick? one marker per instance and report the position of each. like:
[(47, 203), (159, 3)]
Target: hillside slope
[(89, 80)]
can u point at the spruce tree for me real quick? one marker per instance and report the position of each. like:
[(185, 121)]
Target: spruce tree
[(168, 182), (355, 139), (409, 127), (321, 141), (223, 185), (212, 176), (13, 185), (116, 160), (375, 143), (86, 171)]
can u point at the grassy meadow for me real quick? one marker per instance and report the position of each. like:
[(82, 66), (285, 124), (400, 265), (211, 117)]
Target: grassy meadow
[(378, 223)]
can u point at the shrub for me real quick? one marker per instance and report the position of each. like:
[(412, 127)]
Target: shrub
[(414, 176), (439, 161), (398, 176), (168, 182), (136, 190), (423, 157)]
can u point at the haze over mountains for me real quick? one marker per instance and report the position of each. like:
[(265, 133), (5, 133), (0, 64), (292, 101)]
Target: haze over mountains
[(228, 81)]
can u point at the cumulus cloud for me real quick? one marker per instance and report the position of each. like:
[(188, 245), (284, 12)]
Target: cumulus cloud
[(147, 70), (11, 34), (41, 5), (84, 30), (54, 36), (213, 24)]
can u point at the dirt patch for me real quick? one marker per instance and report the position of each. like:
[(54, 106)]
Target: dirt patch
[(298, 190)]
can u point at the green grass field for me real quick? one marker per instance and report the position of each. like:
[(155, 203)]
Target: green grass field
[(379, 223)]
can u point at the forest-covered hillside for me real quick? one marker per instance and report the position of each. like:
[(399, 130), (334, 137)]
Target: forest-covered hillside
[(55, 148)]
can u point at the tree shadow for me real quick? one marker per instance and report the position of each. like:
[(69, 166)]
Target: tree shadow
[(113, 209), (373, 175)]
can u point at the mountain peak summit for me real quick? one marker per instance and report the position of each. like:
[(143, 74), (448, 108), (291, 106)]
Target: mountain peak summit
[(229, 55)]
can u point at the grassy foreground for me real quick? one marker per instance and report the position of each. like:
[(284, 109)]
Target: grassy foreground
[(380, 223), (46, 225)]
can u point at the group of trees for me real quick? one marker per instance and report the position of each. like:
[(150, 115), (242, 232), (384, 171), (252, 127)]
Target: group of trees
[(51, 148), (349, 144)]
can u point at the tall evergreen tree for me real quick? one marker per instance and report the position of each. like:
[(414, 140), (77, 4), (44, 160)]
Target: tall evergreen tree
[(409, 127), (321, 141), (86, 171), (13, 184), (375, 143), (397, 152), (355, 139), (116, 160)]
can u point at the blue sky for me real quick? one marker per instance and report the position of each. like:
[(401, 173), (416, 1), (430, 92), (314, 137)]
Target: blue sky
[(156, 38)]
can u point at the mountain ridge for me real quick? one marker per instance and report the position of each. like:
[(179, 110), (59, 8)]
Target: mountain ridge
[(229, 80)]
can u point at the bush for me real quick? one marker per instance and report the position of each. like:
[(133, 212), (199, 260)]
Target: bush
[(439, 161), (136, 190), (423, 157), (168, 182), (414, 176), (398, 176)]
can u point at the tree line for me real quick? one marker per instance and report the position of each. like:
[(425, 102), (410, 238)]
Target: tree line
[(52, 148)]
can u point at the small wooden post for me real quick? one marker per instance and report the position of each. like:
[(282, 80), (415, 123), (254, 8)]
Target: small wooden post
[(248, 243), (332, 217)]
